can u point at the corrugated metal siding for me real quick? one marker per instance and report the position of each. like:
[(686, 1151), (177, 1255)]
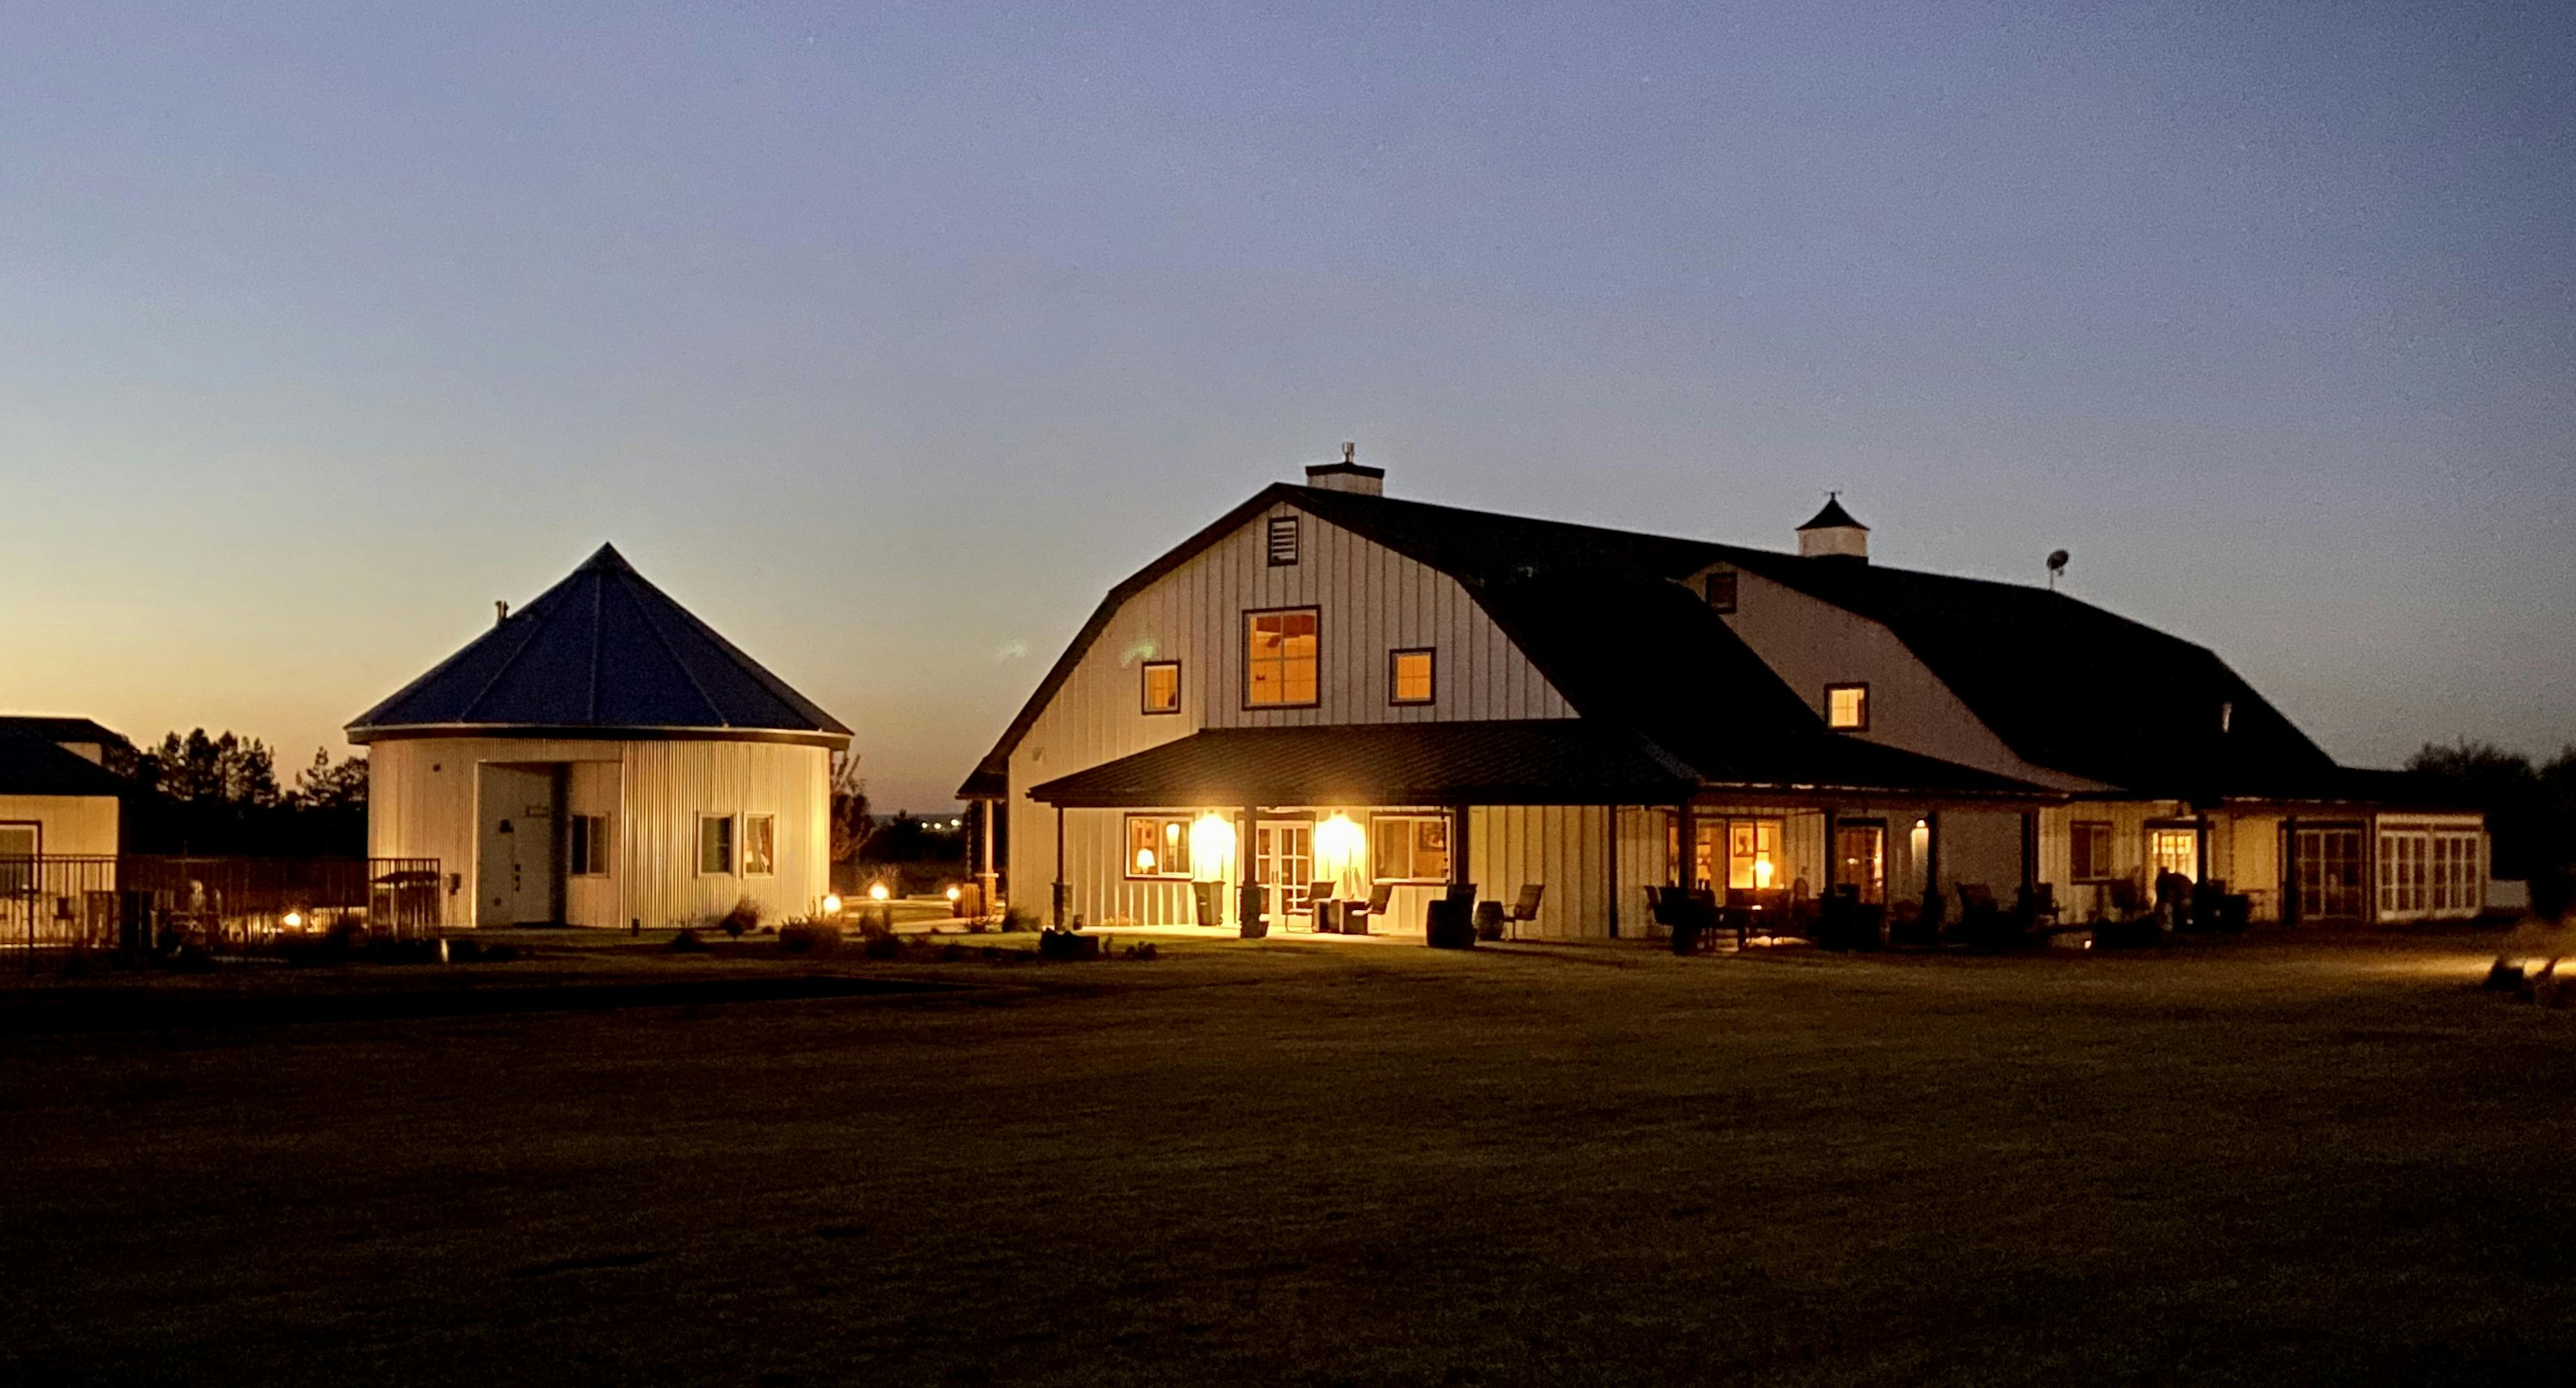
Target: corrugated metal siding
[(421, 803), (1372, 601)]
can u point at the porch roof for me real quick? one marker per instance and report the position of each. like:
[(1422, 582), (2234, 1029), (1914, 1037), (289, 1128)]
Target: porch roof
[(1551, 761)]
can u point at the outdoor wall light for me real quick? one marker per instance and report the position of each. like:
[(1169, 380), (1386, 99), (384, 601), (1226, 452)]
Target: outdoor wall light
[(1211, 846)]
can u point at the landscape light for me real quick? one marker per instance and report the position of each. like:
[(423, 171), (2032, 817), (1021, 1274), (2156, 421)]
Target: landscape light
[(295, 920), (953, 894), (876, 891), (832, 904)]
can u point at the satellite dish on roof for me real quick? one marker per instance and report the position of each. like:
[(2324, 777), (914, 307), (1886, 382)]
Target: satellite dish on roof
[(2056, 565)]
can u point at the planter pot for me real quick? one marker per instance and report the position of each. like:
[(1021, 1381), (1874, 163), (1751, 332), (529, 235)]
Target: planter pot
[(1446, 925)]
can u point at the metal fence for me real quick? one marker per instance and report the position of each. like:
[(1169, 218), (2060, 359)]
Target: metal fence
[(148, 902)]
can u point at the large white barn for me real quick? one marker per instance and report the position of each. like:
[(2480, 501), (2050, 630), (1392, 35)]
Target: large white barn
[(1330, 691), (602, 757)]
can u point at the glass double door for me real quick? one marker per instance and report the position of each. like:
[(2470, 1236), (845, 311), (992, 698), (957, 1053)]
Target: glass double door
[(2327, 871), (1283, 863)]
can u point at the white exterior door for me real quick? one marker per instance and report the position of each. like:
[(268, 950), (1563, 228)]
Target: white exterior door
[(1283, 859), (517, 866)]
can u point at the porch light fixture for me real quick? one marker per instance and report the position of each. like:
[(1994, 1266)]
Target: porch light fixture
[(1341, 847)]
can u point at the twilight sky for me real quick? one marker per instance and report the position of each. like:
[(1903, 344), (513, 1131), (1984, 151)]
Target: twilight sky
[(887, 337)]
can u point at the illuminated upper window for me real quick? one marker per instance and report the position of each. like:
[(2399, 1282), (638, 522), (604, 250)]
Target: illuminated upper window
[(1162, 686), (1847, 707), (1409, 677), (1280, 658)]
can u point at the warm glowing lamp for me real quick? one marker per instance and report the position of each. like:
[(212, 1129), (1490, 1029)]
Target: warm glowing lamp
[(1340, 848), (1144, 861), (953, 894), (1211, 846), (832, 904), (1762, 872), (876, 891), (295, 920)]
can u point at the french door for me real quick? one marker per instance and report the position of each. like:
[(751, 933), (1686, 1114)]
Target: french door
[(1283, 861), (2328, 872)]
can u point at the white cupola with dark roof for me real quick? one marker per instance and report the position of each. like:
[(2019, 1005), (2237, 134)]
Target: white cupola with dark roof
[(1833, 534), (1348, 475)]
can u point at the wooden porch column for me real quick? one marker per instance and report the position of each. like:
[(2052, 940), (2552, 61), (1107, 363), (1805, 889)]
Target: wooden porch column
[(1833, 860), (2200, 844), (1056, 911), (2290, 902), (1613, 858), (1932, 866), (1686, 847), (1247, 893), (2029, 851), (988, 880), (1460, 869)]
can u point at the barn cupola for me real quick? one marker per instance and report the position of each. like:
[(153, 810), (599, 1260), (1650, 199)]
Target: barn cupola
[(1348, 475), (1833, 534)]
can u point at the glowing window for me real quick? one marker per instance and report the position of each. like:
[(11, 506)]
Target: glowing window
[(1753, 854), (2175, 851), (1847, 707), (1279, 658), (759, 845), (1409, 677), (1162, 686), (1409, 848), (1158, 846)]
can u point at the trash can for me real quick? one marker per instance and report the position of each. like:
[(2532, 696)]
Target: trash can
[(1447, 925)]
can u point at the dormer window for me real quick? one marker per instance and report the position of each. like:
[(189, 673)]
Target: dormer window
[(1847, 707), (1720, 590)]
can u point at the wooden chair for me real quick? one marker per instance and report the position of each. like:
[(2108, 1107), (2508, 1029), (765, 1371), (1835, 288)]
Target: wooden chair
[(1524, 910)]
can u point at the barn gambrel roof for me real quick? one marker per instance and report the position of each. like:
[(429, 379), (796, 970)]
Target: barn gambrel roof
[(602, 653), (1604, 616)]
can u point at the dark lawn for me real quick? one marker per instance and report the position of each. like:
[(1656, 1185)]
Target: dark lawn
[(1324, 1163)]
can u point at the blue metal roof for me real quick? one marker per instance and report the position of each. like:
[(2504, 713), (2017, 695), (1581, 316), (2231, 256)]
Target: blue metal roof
[(603, 652)]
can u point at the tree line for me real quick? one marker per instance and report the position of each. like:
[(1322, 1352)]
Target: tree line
[(2530, 805), (221, 795)]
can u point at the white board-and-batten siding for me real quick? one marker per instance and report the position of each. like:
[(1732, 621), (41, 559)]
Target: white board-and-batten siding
[(1371, 601), (422, 803), (67, 826)]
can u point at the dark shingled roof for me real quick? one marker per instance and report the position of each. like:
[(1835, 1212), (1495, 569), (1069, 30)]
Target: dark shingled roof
[(600, 653), (1549, 761), (40, 766)]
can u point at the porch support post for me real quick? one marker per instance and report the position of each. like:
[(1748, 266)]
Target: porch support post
[(1460, 868), (1056, 912), (2290, 902), (2200, 844), (1932, 866), (1612, 857), (1247, 893), (1833, 859), (2029, 851), (1686, 846), (988, 880)]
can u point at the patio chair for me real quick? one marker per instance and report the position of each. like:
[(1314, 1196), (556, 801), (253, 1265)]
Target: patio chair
[(1356, 916), (1320, 903), (1981, 921), (1524, 910)]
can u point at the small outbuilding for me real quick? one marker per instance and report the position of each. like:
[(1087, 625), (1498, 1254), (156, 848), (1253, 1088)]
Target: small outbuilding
[(602, 756)]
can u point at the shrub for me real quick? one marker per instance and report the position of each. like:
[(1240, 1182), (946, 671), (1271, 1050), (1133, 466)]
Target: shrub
[(687, 942), (882, 946), (1017, 921), (875, 923), (808, 937), (744, 916)]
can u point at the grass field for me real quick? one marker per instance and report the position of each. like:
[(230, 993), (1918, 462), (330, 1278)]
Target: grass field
[(1321, 1163)]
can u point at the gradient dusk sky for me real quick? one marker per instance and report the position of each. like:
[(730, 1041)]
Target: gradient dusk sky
[(887, 338)]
